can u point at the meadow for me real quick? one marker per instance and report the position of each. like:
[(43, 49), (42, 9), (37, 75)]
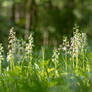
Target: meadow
[(66, 68)]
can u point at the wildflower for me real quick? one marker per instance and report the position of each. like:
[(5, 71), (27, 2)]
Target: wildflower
[(12, 38), (55, 59), (15, 48), (64, 48), (65, 45), (12, 48), (75, 43), (78, 43), (84, 42), (55, 55), (60, 47), (28, 49)]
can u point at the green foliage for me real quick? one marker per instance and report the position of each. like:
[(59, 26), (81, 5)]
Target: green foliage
[(68, 70)]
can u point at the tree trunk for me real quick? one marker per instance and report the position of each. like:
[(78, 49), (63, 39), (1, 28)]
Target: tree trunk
[(20, 11), (28, 18), (13, 12), (17, 16), (45, 38)]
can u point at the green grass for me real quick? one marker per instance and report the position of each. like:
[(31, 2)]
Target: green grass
[(65, 69)]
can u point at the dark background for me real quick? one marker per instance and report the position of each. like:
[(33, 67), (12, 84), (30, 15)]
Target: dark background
[(48, 20)]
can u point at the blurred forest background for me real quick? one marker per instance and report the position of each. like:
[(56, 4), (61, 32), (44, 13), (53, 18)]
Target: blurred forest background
[(48, 20)]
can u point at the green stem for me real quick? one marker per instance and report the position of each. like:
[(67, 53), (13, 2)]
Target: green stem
[(43, 51), (66, 61), (0, 68), (83, 61), (12, 64), (77, 61), (73, 61)]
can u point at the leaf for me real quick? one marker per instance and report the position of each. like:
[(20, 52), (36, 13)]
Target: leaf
[(50, 70)]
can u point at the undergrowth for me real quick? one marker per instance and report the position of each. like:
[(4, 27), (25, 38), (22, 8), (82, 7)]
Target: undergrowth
[(67, 70)]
